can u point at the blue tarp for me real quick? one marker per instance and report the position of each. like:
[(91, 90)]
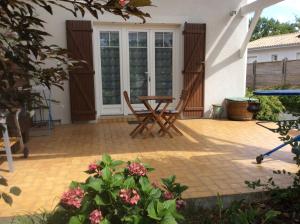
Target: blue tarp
[(284, 92)]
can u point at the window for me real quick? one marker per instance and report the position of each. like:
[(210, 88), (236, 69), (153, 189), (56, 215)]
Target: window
[(274, 57), (110, 67), (251, 59), (138, 65), (298, 56), (163, 63)]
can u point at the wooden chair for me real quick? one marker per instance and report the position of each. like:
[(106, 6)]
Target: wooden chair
[(142, 116), (170, 116)]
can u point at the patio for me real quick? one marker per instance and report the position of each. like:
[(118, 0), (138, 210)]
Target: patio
[(213, 156)]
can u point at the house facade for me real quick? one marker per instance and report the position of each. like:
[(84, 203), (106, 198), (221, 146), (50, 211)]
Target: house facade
[(275, 48), (161, 57)]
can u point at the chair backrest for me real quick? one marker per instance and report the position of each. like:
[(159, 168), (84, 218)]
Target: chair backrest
[(182, 101), (125, 94)]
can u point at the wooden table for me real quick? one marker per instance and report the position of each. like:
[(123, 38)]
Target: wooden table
[(157, 114)]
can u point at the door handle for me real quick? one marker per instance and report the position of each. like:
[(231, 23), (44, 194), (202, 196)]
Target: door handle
[(149, 78)]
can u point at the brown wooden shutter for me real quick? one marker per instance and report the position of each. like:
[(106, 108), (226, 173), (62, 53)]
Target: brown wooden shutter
[(194, 72), (82, 92)]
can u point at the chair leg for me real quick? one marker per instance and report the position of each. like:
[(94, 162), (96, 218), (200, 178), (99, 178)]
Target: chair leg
[(134, 130), (170, 124), (167, 120), (7, 149), (141, 127)]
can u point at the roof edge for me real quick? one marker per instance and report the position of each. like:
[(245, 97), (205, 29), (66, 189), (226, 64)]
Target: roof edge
[(273, 47)]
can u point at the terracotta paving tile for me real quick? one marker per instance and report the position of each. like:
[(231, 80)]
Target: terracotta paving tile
[(213, 156)]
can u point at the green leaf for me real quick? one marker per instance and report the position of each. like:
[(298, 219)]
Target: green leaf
[(133, 219), (271, 215), (168, 182), (152, 211), (155, 193), (74, 184), (106, 173), (170, 205), (169, 219), (106, 159), (117, 180), (116, 163), (95, 184), (99, 201), (15, 191), (7, 198), (105, 221), (129, 183), (145, 184), (161, 210), (115, 193), (76, 219)]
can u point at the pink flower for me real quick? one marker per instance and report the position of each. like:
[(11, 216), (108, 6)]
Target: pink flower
[(180, 204), (129, 196), (96, 216), (94, 167), (168, 195), (137, 169), (122, 2), (73, 197)]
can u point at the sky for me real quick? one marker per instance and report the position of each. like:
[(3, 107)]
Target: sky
[(284, 11)]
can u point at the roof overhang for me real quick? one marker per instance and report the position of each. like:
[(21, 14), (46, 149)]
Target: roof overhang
[(257, 7)]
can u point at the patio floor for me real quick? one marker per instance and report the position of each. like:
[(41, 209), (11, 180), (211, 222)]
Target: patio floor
[(213, 156)]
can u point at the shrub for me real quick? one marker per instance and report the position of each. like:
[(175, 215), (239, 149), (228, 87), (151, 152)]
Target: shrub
[(114, 193), (271, 107), (291, 103)]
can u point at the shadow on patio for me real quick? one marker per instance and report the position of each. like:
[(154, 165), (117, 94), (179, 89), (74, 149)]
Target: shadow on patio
[(212, 157)]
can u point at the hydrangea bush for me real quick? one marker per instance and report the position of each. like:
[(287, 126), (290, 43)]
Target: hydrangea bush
[(116, 192)]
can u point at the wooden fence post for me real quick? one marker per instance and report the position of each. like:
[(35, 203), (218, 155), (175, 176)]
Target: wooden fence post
[(284, 65), (254, 75)]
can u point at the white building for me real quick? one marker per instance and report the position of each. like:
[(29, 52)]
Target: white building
[(275, 48), (157, 65)]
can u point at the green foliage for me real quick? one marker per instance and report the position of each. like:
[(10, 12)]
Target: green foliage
[(270, 107), (6, 196), (291, 103), (25, 58), (103, 192), (270, 27)]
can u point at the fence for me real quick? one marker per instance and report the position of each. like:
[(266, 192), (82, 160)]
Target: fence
[(269, 74)]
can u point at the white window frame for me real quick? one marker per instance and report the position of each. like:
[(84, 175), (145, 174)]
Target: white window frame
[(274, 57)]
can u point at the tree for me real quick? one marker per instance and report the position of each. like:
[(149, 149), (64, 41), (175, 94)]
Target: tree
[(24, 55), (269, 27), (297, 23)]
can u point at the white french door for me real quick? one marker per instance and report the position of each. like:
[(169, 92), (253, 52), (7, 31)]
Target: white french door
[(138, 67), (139, 61)]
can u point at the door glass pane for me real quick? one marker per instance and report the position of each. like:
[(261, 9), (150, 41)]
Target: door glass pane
[(138, 65), (163, 63), (110, 67)]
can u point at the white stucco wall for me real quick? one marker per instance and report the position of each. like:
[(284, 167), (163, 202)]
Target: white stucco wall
[(225, 70), (263, 55)]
